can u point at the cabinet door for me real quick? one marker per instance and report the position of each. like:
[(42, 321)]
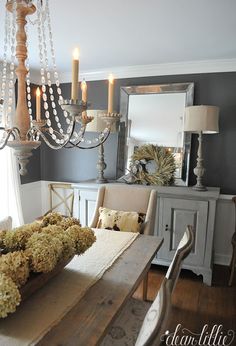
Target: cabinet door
[(87, 206), (176, 215)]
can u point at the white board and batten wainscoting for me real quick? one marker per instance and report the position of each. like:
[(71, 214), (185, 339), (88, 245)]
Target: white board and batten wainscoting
[(212, 215)]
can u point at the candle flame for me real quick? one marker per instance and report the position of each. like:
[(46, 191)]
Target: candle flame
[(76, 53), (111, 79), (38, 92)]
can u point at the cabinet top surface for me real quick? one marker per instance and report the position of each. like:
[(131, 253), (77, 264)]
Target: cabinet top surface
[(183, 191)]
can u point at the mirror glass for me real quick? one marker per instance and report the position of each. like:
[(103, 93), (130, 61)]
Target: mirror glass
[(154, 114)]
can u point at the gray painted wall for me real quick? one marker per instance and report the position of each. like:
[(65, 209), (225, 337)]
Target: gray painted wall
[(75, 165), (219, 150)]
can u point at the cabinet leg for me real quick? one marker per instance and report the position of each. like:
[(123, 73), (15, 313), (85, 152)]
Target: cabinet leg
[(207, 278)]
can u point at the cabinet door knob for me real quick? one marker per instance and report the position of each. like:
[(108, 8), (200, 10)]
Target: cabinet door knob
[(167, 228)]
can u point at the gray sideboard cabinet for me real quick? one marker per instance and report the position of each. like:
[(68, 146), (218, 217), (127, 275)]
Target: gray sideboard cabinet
[(177, 207)]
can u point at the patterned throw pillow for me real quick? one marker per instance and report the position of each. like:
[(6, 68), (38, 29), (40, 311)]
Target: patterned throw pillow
[(6, 224), (125, 221)]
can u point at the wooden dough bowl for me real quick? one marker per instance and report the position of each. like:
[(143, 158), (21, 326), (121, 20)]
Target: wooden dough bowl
[(38, 280)]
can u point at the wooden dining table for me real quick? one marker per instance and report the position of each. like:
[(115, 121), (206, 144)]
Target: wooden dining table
[(88, 320)]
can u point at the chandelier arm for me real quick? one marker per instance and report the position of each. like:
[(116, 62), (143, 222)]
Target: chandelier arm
[(33, 132), (95, 146), (9, 134), (11, 131), (70, 144), (77, 145), (57, 147), (17, 131), (48, 143)]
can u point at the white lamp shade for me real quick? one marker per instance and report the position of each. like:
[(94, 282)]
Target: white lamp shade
[(97, 124), (203, 119)]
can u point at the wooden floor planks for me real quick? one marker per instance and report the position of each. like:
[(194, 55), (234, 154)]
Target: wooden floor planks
[(195, 304)]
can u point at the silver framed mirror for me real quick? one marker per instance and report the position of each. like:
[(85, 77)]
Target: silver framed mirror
[(154, 114)]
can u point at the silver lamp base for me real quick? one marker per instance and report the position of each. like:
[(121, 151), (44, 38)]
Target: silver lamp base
[(199, 187), (199, 170), (101, 166)]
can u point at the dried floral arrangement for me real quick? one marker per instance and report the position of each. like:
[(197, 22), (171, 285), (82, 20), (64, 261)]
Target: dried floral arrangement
[(37, 248), (152, 165)]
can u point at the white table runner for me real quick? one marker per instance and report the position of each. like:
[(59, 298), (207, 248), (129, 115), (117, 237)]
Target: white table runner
[(46, 307)]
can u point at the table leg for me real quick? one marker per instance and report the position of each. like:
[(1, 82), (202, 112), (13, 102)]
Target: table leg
[(232, 266), (145, 287)]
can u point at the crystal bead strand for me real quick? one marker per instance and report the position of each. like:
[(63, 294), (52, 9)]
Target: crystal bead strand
[(28, 91), (55, 73), (43, 80), (76, 136), (28, 83), (49, 82), (100, 137), (4, 64), (43, 65)]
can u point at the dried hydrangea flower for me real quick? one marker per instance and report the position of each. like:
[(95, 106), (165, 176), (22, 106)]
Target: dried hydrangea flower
[(9, 295), (69, 248), (17, 238), (84, 237), (2, 237), (51, 219), (68, 222), (67, 242), (52, 230), (30, 227), (43, 251), (16, 266)]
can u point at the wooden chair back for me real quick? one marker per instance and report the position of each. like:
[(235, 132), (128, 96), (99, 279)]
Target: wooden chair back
[(153, 327), (233, 242), (184, 248), (234, 201), (64, 196)]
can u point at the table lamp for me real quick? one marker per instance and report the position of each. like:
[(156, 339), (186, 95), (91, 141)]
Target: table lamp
[(98, 125), (201, 120)]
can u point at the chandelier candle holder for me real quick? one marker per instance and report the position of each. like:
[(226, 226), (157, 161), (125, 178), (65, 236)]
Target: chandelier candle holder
[(111, 116), (21, 129)]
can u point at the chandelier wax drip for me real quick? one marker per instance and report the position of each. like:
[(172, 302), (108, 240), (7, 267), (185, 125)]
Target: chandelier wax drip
[(63, 123)]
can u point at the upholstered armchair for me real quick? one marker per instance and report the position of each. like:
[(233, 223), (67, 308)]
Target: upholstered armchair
[(128, 198)]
